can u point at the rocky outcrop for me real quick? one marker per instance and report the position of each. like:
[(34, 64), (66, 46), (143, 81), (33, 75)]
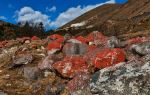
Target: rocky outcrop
[(130, 78)]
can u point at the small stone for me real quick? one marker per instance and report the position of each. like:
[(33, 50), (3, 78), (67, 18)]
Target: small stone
[(54, 90), (7, 76), (48, 73), (27, 42)]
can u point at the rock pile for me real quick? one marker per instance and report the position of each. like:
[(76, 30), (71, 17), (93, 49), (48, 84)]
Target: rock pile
[(95, 64)]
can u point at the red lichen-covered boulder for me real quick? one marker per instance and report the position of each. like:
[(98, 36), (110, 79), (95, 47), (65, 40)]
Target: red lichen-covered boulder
[(60, 40), (55, 36), (91, 54), (91, 48), (138, 40), (95, 36), (108, 57), (54, 45), (71, 66), (82, 39), (35, 38)]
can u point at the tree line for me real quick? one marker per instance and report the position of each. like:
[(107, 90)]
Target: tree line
[(10, 31)]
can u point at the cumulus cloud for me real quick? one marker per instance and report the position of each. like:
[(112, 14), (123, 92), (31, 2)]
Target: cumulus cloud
[(27, 14), (3, 17), (52, 9), (74, 12)]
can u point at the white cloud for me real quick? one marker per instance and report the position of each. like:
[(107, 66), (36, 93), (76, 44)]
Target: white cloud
[(74, 12), (32, 16), (52, 9), (3, 17)]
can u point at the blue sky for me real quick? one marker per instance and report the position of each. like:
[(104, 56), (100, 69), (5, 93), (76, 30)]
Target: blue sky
[(53, 13)]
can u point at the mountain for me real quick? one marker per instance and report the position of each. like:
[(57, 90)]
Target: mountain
[(122, 20)]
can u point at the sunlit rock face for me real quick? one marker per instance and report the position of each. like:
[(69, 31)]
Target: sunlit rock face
[(132, 78)]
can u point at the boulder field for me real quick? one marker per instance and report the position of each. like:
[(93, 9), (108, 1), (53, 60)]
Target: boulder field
[(75, 65)]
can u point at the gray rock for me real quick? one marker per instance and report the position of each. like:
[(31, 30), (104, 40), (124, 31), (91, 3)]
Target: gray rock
[(54, 90), (48, 61), (32, 73), (2, 93), (132, 78), (113, 42), (74, 41), (21, 60), (141, 48), (146, 58)]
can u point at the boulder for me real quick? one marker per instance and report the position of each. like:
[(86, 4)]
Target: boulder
[(79, 82), (21, 59), (91, 54), (74, 49), (74, 41), (138, 40), (56, 36), (91, 48), (113, 42), (108, 57), (35, 38), (54, 45), (131, 78), (82, 39), (95, 36), (141, 48), (67, 36), (71, 66), (49, 61)]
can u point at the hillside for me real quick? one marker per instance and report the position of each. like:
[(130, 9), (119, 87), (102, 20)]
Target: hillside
[(113, 19), (11, 31)]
